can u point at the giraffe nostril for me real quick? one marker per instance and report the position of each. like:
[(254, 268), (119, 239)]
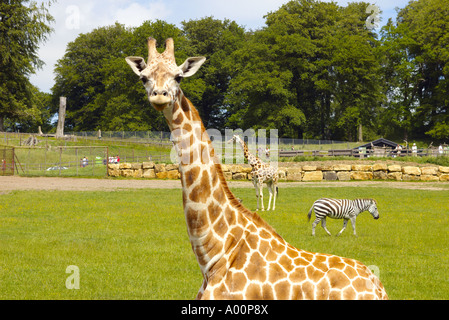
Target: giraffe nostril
[(160, 92)]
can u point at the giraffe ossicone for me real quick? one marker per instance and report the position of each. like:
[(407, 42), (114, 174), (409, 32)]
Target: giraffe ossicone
[(239, 254)]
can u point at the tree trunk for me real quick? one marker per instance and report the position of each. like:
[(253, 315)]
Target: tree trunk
[(360, 133), (61, 117)]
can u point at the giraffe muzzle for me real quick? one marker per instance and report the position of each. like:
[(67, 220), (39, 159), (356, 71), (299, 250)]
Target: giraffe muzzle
[(160, 99)]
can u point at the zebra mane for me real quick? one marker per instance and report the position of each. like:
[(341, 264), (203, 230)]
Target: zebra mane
[(365, 202), (368, 199)]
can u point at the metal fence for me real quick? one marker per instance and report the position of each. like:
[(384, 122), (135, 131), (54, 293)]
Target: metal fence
[(6, 161), (33, 154), (163, 138), (144, 137), (63, 160)]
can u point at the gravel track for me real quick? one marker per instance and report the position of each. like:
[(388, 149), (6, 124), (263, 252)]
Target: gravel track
[(11, 183)]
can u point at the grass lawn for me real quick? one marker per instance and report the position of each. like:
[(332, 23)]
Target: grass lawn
[(133, 244)]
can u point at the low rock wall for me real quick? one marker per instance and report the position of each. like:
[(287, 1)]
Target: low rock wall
[(336, 172)]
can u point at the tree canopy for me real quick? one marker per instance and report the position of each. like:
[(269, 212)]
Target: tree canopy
[(23, 26), (313, 71)]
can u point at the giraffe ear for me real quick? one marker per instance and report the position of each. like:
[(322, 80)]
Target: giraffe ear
[(191, 66), (137, 64)]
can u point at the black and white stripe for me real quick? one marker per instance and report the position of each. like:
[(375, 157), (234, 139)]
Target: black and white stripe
[(341, 209)]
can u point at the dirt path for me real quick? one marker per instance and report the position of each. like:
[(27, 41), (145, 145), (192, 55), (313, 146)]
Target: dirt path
[(81, 184)]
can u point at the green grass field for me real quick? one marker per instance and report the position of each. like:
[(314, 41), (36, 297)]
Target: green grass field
[(133, 244)]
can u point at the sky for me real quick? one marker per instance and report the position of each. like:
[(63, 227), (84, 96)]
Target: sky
[(73, 17)]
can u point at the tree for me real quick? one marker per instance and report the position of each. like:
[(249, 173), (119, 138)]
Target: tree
[(80, 75), (101, 92), (259, 95), (357, 92), (427, 24), (417, 68), (23, 26), (216, 40), (40, 113), (400, 79), (311, 72)]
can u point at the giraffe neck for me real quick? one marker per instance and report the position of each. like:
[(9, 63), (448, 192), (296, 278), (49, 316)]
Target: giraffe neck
[(252, 159), (210, 208), (217, 223)]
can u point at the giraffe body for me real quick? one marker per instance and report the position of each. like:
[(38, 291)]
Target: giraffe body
[(239, 254), (260, 173)]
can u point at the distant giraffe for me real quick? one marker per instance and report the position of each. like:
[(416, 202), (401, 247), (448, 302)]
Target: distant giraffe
[(261, 172), (239, 254)]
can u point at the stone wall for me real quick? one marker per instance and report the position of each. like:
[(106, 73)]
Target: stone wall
[(334, 172), (149, 170)]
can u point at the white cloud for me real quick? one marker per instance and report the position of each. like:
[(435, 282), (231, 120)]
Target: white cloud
[(135, 13), (248, 13), (82, 16)]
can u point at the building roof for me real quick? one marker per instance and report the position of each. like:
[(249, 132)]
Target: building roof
[(382, 142)]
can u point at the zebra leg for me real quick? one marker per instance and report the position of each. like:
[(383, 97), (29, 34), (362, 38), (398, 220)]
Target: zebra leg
[(323, 224), (317, 220), (353, 224), (345, 222)]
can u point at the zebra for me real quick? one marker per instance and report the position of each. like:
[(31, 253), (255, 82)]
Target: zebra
[(341, 209)]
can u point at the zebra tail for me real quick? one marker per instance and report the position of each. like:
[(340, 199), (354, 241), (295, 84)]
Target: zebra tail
[(309, 214)]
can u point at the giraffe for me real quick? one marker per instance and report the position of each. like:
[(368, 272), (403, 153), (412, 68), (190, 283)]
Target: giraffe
[(239, 254), (261, 172)]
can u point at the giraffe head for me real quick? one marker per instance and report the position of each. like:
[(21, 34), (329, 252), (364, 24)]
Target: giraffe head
[(372, 208), (235, 138), (160, 75)]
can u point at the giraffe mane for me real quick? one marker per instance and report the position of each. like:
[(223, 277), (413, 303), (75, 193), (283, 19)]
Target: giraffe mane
[(251, 215)]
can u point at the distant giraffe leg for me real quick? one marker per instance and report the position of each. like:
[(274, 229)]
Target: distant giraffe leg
[(270, 191), (261, 195), (275, 194), (257, 192)]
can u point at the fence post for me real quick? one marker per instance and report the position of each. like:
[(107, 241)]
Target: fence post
[(107, 161), (60, 159), (160, 153), (3, 163), (13, 162), (77, 164)]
